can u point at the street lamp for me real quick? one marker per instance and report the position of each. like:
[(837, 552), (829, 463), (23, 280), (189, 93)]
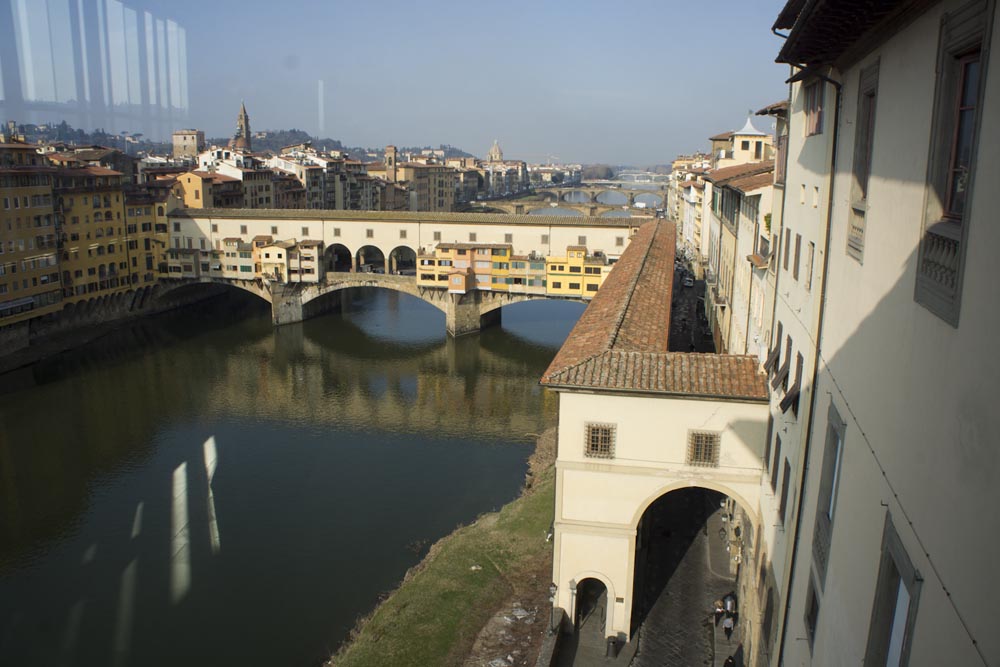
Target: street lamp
[(553, 589)]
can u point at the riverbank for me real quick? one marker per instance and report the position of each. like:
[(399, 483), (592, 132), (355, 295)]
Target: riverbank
[(480, 594)]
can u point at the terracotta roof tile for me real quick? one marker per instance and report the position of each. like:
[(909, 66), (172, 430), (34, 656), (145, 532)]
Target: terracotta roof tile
[(620, 341), (721, 176), (751, 183)]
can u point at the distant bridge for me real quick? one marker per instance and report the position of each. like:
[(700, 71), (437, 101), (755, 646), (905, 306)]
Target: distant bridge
[(294, 302), (545, 199)]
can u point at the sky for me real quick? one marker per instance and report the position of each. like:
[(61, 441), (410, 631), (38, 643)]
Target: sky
[(630, 82)]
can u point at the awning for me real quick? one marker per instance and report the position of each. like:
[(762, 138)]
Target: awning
[(758, 261)]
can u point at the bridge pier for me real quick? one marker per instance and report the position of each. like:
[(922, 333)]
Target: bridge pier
[(286, 305), (464, 314)]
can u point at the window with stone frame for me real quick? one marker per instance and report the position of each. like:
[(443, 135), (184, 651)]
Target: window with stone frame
[(897, 597), (703, 449), (599, 441), (951, 164), (813, 106), (864, 138)]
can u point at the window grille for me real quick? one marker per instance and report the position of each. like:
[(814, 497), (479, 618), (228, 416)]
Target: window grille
[(703, 449), (599, 441)]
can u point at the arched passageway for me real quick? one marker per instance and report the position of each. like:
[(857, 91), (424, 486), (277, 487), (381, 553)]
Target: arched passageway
[(682, 565), (589, 639), (370, 260), (337, 258), (403, 261)]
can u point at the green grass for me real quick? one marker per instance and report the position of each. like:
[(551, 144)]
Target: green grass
[(434, 616)]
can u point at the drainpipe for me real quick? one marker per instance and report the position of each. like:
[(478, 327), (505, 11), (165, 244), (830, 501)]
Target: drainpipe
[(804, 467)]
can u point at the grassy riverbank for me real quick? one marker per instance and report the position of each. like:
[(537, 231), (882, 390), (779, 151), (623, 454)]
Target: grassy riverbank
[(435, 615)]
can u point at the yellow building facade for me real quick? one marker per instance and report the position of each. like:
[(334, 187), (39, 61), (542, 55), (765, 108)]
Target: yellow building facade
[(29, 272)]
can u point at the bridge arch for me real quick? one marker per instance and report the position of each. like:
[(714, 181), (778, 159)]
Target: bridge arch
[(337, 258), (403, 284), (569, 196), (258, 287), (604, 197), (649, 198)]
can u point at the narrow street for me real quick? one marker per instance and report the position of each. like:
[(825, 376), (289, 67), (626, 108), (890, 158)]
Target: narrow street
[(687, 570)]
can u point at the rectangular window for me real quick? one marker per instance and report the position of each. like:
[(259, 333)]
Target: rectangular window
[(864, 137), (336, 231), (619, 241), (574, 286), (791, 398), (215, 228), (788, 246), (557, 285), (305, 232), (370, 233), (177, 227), (243, 229), (545, 239), (703, 449), (812, 613), (798, 252), (402, 233), (814, 108), (437, 236), (508, 238), (599, 441), (829, 482), (894, 612), (745, 145), (953, 156), (472, 237), (810, 253), (774, 463), (783, 505), (581, 240)]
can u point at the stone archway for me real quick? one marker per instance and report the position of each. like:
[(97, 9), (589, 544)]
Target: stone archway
[(337, 258), (403, 261), (370, 259)]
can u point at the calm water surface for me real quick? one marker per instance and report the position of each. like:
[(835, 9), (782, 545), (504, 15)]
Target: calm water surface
[(204, 489)]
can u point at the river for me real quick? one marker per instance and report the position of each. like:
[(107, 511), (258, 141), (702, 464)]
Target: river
[(201, 488)]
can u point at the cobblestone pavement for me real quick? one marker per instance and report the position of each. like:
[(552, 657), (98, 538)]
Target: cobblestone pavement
[(688, 552)]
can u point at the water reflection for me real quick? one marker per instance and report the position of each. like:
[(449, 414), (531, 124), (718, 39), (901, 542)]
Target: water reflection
[(323, 456)]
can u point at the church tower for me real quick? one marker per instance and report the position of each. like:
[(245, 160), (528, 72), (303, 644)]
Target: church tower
[(241, 140), (391, 158), (496, 155)]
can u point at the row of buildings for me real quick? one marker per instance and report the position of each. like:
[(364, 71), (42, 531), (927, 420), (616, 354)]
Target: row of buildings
[(851, 291), (302, 177)]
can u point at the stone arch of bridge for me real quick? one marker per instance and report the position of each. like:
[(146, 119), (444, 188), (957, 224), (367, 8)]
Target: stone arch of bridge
[(656, 196), (257, 286), (624, 193), (563, 196), (404, 284), (492, 301)]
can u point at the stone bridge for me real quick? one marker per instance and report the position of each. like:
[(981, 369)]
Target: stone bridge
[(294, 302)]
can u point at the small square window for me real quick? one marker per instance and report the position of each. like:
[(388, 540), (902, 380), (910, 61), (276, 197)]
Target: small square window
[(437, 236), (581, 240), (508, 238), (370, 233), (336, 231), (243, 229), (402, 233), (599, 441), (274, 230), (305, 232), (472, 237), (545, 238), (703, 449)]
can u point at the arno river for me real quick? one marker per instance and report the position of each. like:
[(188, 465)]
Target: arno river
[(201, 488)]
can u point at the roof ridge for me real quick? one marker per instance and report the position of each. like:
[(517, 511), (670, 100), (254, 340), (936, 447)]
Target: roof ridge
[(632, 289)]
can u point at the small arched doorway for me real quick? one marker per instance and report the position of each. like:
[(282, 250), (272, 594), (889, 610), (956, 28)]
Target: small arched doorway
[(591, 604)]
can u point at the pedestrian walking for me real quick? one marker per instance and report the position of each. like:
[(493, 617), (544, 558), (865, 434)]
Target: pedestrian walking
[(719, 611), (730, 662), (727, 627)]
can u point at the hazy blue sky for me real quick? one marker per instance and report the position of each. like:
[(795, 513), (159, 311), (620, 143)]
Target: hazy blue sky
[(623, 82)]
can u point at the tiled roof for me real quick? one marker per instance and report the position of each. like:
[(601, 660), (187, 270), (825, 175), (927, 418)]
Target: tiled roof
[(722, 176), (750, 183), (779, 108), (620, 341), (722, 136)]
